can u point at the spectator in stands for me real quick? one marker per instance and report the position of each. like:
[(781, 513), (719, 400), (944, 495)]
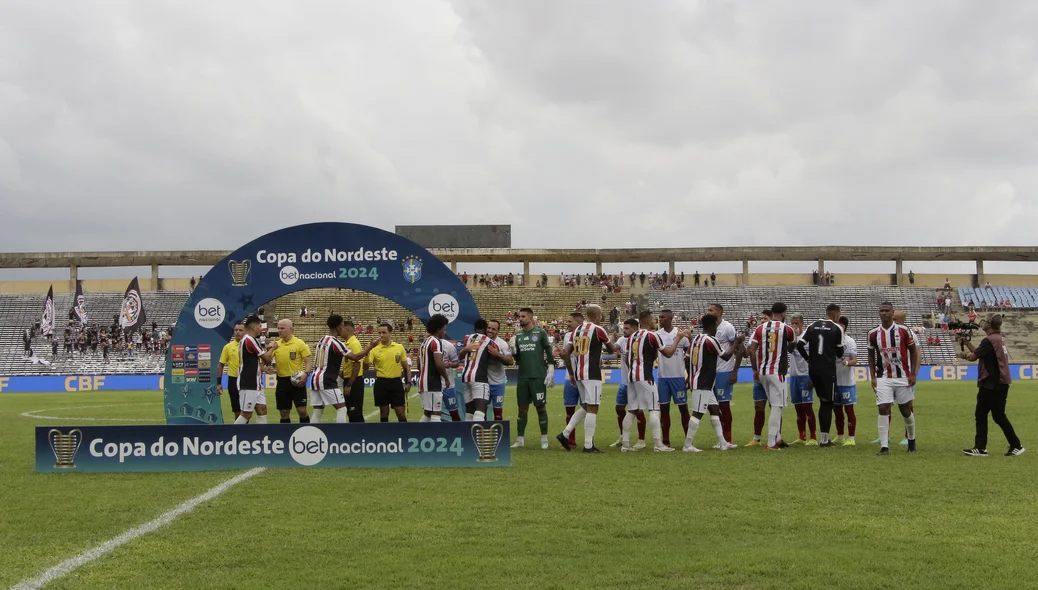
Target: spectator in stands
[(911, 277), (987, 284), (54, 347), (814, 277), (641, 278), (947, 284), (695, 278), (713, 280), (191, 284)]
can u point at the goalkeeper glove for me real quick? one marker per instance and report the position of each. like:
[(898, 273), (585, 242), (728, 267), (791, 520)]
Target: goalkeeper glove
[(549, 379)]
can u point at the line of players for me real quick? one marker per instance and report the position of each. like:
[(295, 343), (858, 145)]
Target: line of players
[(823, 360)]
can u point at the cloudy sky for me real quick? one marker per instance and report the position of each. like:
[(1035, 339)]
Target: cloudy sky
[(140, 124)]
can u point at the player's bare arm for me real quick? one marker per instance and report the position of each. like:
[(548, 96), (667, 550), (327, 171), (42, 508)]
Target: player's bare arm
[(406, 372), (733, 350), (873, 365), (219, 378), (915, 366)]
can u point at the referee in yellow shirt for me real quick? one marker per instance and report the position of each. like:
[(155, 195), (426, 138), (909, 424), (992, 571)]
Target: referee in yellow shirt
[(352, 378), (229, 358), (390, 360), (291, 355)]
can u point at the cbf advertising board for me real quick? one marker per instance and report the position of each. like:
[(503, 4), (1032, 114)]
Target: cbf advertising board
[(100, 449), (312, 256)]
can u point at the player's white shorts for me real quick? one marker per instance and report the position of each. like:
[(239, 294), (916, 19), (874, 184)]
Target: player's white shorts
[(590, 392), (250, 398), (778, 393), (889, 391), (702, 399), (642, 395), (432, 401), (326, 397), (474, 391)]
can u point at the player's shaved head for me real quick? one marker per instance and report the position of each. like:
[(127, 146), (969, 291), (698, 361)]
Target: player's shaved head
[(594, 312), (899, 316)]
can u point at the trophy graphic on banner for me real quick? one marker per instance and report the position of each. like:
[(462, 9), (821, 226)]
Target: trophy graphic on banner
[(487, 439), (239, 272), (65, 446)]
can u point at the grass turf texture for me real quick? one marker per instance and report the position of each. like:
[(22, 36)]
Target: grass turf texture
[(800, 518)]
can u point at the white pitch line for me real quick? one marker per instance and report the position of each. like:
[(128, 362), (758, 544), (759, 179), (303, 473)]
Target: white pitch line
[(34, 413), (70, 565)]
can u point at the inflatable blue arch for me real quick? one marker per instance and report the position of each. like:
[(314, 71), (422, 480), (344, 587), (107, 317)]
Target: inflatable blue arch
[(311, 256)]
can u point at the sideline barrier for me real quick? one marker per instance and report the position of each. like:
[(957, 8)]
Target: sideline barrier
[(71, 383), (102, 449)]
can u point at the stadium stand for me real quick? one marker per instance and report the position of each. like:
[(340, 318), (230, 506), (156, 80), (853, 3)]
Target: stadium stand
[(992, 297)]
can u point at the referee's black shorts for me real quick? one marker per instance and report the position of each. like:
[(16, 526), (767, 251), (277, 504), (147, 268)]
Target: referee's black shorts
[(824, 385), (389, 391), (287, 395), (232, 392), (355, 400)]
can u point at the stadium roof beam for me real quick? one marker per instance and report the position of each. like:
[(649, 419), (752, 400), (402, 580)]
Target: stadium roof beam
[(609, 255)]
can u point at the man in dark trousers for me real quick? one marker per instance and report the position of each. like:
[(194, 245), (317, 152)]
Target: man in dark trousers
[(993, 381)]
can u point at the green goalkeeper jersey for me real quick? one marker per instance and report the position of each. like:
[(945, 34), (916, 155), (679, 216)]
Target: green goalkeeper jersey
[(532, 353)]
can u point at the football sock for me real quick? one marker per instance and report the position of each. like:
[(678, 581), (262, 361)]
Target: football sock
[(774, 424), (625, 429), (715, 421), (468, 417), (654, 422), (478, 416), (758, 423), (726, 419), (621, 416), (685, 417), (304, 420), (883, 424), (520, 425), (641, 426), (499, 414), (590, 421), (383, 418), (261, 419), (825, 418), (318, 413), (801, 421), (424, 418), (852, 420), (455, 416), (542, 420), (910, 426), (340, 415), (577, 418), (665, 424), (809, 411), (286, 420), (823, 437), (434, 418), (838, 414), (241, 420), (693, 426), (569, 416)]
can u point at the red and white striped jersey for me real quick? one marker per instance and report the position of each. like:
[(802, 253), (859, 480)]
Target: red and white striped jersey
[(773, 341), (250, 366), (429, 378), (890, 345), (328, 356), (702, 363), (587, 348), (642, 349)]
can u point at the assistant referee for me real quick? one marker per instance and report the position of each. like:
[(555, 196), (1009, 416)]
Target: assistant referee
[(352, 378), (390, 361), (229, 358), (291, 355)]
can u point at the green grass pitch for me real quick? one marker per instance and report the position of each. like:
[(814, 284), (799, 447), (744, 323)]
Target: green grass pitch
[(800, 518)]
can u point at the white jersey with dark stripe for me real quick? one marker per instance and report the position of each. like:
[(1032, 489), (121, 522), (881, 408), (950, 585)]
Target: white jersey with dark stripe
[(477, 364), (703, 361), (429, 378), (250, 366), (588, 339), (890, 345), (642, 351), (329, 355), (773, 340)]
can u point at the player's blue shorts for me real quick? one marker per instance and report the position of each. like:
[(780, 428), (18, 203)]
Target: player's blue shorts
[(722, 388), (451, 401), (621, 395), (759, 394), (570, 395), (672, 388), (846, 395), (497, 395), (799, 391)]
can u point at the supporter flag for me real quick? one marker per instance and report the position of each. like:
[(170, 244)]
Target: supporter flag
[(47, 324), (132, 315), (79, 307)]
